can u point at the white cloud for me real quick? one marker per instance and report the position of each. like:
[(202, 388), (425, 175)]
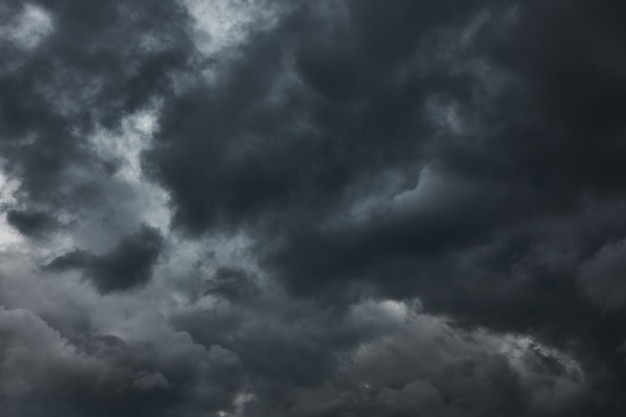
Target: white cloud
[(29, 27), (222, 24)]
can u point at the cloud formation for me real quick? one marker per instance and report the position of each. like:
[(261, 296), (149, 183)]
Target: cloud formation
[(335, 208), (127, 265)]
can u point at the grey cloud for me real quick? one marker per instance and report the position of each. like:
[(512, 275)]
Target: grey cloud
[(233, 284), (129, 264), (31, 223), (46, 374), (461, 374), (98, 63), (602, 276), (338, 159)]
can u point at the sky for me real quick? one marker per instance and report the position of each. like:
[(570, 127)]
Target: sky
[(331, 208)]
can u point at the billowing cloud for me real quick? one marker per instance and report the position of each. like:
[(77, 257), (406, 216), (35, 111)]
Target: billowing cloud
[(602, 277), (128, 264), (335, 208)]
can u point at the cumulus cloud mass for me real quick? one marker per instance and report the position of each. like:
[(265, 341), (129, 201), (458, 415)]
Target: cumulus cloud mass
[(333, 208)]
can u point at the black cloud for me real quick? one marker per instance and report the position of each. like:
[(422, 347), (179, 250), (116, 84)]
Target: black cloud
[(233, 284), (99, 62), (375, 183), (102, 375), (129, 264), (31, 223)]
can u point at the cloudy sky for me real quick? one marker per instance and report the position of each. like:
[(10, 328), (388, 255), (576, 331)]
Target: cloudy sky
[(332, 208)]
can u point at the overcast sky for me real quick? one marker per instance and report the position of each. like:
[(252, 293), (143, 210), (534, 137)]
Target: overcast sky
[(329, 208)]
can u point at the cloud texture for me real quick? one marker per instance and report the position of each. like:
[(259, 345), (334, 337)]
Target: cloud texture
[(259, 208)]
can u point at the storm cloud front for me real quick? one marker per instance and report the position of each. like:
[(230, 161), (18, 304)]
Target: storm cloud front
[(333, 208)]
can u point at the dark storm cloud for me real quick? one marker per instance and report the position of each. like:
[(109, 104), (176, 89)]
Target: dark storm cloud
[(370, 361), (301, 129), (129, 264), (233, 284), (349, 108), (466, 153), (93, 64), (31, 222), (602, 277), (101, 375), (233, 152)]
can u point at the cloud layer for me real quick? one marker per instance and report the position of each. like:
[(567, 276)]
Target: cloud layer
[(335, 208)]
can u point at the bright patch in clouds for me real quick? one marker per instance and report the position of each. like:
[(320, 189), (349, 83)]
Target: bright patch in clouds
[(29, 27), (224, 24), (8, 235)]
